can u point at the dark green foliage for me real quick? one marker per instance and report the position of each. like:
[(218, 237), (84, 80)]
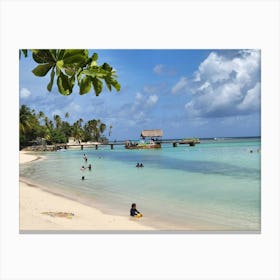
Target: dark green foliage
[(57, 136), (28, 125), (71, 65)]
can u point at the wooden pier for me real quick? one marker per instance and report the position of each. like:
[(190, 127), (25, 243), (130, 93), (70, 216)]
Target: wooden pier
[(174, 143)]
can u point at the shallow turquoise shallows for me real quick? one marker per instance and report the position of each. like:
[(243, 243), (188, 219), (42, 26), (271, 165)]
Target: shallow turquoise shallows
[(212, 186)]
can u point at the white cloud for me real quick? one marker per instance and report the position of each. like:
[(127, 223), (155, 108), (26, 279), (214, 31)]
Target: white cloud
[(158, 68), (214, 68), (24, 93), (252, 99), (139, 110), (226, 86), (155, 88), (143, 101), (152, 100), (138, 96), (161, 69), (180, 85), (73, 107)]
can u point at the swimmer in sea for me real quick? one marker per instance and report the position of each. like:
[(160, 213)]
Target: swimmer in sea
[(85, 157)]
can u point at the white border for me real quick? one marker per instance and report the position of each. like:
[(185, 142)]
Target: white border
[(140, 24)]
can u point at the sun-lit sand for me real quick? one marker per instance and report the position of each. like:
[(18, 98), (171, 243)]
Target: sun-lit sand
[(42, 210)]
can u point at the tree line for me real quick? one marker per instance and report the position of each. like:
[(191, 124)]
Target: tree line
[(34, 126)]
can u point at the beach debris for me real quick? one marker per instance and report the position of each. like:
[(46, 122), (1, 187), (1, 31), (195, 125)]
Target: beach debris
[(59, 214)]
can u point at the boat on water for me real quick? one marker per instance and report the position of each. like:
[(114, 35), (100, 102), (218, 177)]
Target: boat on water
[(153, 141), (142, 145), (190, 141)]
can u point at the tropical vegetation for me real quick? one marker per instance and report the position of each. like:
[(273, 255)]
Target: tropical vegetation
[(36, 126), (73, 66)]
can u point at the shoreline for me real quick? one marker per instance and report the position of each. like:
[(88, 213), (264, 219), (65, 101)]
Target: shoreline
[(42, 210)]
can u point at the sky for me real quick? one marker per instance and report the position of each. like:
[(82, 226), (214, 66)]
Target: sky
[(186, 93)]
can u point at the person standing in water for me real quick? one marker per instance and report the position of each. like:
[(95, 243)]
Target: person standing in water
[(85, 157)]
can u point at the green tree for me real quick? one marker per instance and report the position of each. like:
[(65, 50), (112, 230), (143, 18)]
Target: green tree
[(57, 120), (102, 128), (71, 66), (29, 126), (66, 129), (95, 128), (41, 115), (77, 131), (56, 131)]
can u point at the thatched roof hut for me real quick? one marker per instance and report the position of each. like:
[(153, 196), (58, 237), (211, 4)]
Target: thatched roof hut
[(151, 133)]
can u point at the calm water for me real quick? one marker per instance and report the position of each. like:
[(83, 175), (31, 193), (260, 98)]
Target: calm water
[(212, 186)]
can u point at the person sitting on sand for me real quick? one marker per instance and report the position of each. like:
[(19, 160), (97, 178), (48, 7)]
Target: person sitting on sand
[(141, 165), (83, 177), (137, 165), (134, 212), (82, 168)]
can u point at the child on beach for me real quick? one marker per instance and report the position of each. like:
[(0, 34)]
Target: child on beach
[(134, 212)]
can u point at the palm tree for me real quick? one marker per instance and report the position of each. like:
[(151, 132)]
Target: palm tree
[(91, 128), (102, 128), (80, 121), (29, 126), (57, 120), (25, 120), (77, 130), (48, 128), (41, 115)]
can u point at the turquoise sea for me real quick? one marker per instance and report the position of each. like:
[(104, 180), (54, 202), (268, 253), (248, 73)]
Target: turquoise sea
[(215, 185)]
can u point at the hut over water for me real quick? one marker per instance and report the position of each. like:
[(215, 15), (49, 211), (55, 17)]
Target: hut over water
[(154, 143), (151, 133)]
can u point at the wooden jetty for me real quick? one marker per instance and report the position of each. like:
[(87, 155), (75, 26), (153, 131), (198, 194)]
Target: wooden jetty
[(174, 143)]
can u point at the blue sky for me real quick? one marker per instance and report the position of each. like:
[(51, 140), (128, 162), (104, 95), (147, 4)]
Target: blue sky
[(186, 93)]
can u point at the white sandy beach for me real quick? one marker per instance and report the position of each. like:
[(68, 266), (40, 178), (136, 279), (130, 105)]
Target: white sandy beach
[(35, 201)]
